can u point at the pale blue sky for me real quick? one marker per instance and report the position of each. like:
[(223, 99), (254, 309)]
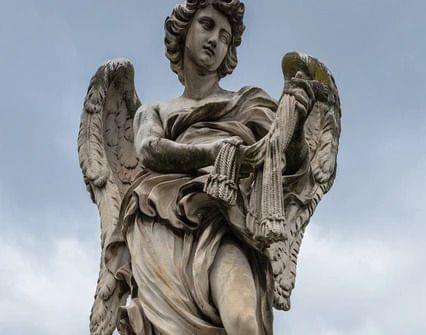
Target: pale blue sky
[(362, 266)]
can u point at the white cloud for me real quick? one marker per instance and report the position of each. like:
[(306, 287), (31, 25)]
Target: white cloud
[(46, 291), (353, 286)]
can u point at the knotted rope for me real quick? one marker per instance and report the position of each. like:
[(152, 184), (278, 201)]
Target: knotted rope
[(266, 216), (222, 183)]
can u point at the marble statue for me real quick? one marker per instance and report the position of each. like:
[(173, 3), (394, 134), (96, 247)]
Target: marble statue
[(204, 199)]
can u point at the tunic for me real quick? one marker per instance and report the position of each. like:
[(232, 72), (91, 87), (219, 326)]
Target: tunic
[(170, 230)]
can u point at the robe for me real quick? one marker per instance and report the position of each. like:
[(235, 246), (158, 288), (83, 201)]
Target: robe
[(170, 230)]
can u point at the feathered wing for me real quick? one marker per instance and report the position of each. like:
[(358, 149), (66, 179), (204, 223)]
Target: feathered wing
[(322, 132), (109, 164)]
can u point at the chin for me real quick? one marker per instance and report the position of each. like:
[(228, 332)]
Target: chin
[(208, 65)]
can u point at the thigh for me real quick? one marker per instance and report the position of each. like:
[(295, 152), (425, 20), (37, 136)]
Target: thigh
[(232, 284)]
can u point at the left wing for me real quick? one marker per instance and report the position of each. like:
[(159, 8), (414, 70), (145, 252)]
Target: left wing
[(322, 132)]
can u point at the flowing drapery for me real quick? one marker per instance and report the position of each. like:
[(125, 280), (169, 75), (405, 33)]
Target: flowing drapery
[(170, 229)]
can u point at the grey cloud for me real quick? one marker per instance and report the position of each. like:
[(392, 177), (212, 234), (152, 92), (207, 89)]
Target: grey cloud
[(49, 50)]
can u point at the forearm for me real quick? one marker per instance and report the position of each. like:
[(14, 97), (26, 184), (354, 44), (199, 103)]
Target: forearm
[(163, 155)]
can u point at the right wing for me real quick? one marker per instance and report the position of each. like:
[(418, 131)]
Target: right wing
[(109, 164)]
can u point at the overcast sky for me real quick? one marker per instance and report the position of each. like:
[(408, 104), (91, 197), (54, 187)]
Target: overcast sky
[(362, 265)]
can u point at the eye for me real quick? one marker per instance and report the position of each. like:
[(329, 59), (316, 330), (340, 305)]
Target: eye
[(206, 23)]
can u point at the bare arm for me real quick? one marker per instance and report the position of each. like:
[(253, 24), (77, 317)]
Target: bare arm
[(160, 154)]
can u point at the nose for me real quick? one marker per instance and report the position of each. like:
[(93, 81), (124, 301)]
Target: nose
[(212, 43), (213, 40)]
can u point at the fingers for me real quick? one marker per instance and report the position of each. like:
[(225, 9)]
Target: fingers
[(299, 94), (303, 84), (314, 88), (306, 92), (216, 147), (303, 102)]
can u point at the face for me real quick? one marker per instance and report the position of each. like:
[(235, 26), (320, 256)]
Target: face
[(208, 39)]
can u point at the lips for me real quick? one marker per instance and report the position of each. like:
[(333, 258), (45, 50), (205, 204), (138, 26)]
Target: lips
[(209, 50)]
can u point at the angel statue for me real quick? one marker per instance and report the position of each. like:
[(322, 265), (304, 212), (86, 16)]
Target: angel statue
[(204, 199)]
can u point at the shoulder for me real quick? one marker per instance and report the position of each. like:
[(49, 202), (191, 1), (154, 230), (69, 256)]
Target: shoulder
[(146, 112), (254, 92), (148, 108), (255, 97), (158, 110)]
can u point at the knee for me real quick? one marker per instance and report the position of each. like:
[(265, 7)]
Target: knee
[(244, 323)]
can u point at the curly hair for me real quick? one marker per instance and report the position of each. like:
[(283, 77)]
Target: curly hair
[(177, 25)]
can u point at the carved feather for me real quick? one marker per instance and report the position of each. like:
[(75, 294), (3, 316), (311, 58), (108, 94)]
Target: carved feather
[(109, 164), (322, 132)]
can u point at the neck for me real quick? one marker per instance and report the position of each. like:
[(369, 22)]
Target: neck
[(198, 83)]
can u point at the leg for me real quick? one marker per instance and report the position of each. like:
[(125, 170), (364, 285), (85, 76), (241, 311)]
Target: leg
[(234, 291)]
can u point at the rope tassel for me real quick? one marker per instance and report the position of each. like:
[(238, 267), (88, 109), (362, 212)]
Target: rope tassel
[(266, 217), (222, 183)]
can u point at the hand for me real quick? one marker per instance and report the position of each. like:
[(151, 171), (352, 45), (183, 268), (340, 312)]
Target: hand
[(253, 155), (306, 92), (217, 145), (302, 90)]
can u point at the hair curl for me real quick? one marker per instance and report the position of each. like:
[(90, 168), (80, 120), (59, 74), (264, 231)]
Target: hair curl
[(177, 25)]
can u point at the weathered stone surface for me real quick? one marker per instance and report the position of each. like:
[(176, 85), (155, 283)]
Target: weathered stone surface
[(204, 199)]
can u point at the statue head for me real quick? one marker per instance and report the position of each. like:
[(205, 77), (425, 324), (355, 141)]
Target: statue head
[(195, 17)]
